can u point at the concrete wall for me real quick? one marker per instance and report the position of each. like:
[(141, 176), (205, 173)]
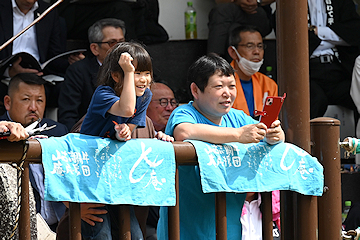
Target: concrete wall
[(172, 17)]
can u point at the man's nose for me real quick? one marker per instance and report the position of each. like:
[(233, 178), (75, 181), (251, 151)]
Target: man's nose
[(256, 51), (32, 106), (169, 107)]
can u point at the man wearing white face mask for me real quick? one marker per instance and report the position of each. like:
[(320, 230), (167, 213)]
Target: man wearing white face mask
[(247, 51)]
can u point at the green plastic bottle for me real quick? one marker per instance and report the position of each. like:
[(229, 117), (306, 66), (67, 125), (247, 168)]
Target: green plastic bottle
[(269, 71), (190, 22), (346, 210)]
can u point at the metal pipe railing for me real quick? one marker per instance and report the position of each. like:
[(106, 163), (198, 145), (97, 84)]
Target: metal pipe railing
[(293, 79), (325, 133)]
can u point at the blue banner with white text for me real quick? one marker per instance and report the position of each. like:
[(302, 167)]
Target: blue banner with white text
[(236, 167), (82, 168)]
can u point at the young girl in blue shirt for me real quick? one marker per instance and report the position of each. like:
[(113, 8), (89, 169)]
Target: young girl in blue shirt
[(123, 94), (117, 107)]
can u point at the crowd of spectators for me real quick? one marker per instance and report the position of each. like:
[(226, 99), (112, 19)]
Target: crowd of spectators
[(236, 32)]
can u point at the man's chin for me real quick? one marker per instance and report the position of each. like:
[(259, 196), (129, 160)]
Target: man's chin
[(30, 120)]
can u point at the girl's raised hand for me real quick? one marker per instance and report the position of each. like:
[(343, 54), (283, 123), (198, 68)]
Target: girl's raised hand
[(125, 62), (123, 132)]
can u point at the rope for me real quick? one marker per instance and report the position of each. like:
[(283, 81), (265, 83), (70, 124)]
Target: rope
[(19, 167)]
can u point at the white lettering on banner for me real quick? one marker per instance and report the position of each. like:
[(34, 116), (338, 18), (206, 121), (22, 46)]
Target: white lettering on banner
[(68, 162), (227, 160), (236, 161), (302, 167), (86, 170), (209, 151), (283, 167), (228, 156), (154, 181), (73, 162), (58, 169), (76, 169), (153, 178), (69, 169), (103, 158)]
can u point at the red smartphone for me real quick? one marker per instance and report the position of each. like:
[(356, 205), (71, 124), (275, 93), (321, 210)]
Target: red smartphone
[(271, 109)]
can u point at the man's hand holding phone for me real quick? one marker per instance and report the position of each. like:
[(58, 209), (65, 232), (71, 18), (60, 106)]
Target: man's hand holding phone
[(274, 134)]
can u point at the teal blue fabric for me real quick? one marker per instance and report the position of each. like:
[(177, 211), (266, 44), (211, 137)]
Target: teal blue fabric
[(197, 210), (258, 167), (82, 168), (187, 113)]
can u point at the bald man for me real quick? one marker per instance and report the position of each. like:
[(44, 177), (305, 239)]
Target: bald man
[(161, 106)]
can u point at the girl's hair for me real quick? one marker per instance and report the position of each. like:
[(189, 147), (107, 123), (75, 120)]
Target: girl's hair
[(111, 64)]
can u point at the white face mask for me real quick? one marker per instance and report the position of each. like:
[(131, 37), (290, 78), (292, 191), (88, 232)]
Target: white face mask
[(246, 66)]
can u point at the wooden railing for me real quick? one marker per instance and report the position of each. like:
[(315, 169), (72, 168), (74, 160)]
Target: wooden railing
[(326, 137)]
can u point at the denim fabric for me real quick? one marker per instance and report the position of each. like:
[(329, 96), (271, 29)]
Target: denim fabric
[(102, 230)]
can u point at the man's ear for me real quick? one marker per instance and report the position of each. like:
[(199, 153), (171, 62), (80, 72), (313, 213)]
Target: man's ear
[(115, 76), (194, 90), (7, 102), (94, 48), (232, 53)]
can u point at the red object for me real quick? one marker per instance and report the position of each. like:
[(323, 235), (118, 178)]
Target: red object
[(271, 110)]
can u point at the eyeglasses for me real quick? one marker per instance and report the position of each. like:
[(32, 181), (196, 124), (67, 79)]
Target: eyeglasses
[(112, 42), (252, 46), (164, 102)]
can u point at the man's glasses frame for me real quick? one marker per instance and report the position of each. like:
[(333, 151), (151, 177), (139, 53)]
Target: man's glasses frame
[(112, 42), (165, 101), (252, 46)]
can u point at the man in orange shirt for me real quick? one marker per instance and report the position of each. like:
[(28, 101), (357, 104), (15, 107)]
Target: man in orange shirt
[(247, 51)]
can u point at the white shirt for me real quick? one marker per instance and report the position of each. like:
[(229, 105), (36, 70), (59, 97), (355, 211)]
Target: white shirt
[(318, 18), (251, 220), (26, 42)]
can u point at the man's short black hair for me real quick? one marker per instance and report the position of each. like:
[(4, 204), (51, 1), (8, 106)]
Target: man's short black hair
[(206, 66), (28, 78), (234, 37)]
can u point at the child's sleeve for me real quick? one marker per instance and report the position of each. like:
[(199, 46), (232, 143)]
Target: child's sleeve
[(142, 104), (103, 100)]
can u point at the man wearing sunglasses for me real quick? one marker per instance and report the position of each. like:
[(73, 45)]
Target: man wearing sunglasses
[(161, 106), (247, 51), (80, 78)]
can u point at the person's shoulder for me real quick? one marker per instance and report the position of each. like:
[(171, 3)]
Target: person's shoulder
[(186, 112), (43, 3), (4, 117), (5, 4), (43, 6), (146, 97), (263, 78), (188, 107), (236, 114), (147, 93), (103, 88)]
